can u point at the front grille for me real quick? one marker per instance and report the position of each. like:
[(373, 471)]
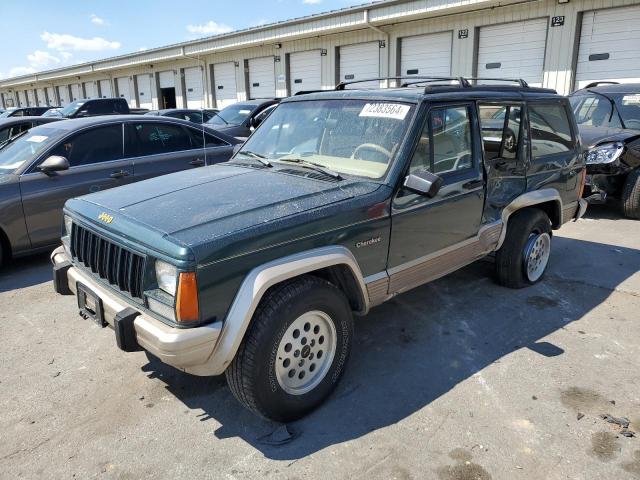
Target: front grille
[(120, 267)]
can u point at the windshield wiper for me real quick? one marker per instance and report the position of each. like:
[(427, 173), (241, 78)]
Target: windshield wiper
[(614, 108), (220, 117), (313, 166), (261, 158), (12, 139)]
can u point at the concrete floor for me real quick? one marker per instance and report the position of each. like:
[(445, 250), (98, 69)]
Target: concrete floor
[(456, 380)]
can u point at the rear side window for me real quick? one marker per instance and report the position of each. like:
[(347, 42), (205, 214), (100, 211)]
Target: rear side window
[(156, 138), (500, 126), (198, 136), (102, 144), (550, 130)]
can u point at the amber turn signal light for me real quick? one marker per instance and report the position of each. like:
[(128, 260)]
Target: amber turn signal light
[(187, 298)]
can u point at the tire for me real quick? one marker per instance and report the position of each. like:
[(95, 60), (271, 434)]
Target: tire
[(631, 195), (527, 244), (260, 374)]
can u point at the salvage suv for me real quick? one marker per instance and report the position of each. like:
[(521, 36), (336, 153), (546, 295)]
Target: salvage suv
[(337, 202)]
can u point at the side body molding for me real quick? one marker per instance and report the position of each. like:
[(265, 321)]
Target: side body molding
[(253, 288), (529, 199)]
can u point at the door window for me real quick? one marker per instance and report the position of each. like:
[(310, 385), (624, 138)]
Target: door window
[(550, 130), (445, 144), (212, 140), (102, 144), (501, 131), (157, 138)]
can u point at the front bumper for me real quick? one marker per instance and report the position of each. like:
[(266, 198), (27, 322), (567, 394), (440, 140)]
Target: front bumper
[(189, 349)]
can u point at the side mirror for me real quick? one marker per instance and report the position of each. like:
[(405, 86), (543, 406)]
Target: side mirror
[(54, 163), (424, 183)]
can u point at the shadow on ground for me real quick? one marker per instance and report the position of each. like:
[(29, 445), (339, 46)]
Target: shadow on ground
[(420, 345), (25, 272)]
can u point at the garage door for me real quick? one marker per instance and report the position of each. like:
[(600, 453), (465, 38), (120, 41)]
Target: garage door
[(105, 89), (305, 71), (124, 90), (145, 95), (513, 50), (262, 78), (90, 90), (358, 62), (22, 99), (225, 90), (426, 55), (51, 97), (194, 87), (609, 46), (42, 101), (75, 92), (63, 95), (167, 79)]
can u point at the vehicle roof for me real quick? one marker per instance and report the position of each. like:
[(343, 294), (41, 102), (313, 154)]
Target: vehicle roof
[(6, 122), (611, 88), (441, 92), (257, 101)]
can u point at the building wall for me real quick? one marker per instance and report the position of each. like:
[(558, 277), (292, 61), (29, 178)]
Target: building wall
[(391, 22)]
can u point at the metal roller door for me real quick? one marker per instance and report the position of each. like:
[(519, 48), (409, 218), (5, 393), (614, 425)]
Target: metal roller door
[(105, 89), (31, 98), (145, 95), (262, 78), (167, 79), (513, 50), (194, 87), (224, 77), (609, 46), (42, 100), (124, 90), (22, 100), (358, 62), (75, 92), (63, 93), (426, 55), (90, 90), (305, 71), (51, 97)]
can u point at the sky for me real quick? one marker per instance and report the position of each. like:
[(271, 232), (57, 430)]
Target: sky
[(39, 35)]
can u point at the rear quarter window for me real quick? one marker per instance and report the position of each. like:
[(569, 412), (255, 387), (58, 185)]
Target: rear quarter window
[(550, 130)]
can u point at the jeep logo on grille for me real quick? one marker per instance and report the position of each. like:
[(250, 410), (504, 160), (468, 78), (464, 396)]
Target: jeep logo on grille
[(105, 217)]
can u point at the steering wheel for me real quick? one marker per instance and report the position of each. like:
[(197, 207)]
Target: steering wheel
[(372, 146)]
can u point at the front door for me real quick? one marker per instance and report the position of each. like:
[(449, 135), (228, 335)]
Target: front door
[(96, 163), (425, 229)]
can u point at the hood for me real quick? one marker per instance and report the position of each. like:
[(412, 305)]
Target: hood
[(200, 205), (592, 136)]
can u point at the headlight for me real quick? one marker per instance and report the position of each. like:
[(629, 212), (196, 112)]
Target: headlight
[(167, 277), (68, 223), (603, 154)]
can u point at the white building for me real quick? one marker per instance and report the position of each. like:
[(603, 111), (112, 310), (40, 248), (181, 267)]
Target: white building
[(561, 44)]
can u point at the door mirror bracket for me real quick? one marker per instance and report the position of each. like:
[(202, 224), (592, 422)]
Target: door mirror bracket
[(54, 163), (423, 182)]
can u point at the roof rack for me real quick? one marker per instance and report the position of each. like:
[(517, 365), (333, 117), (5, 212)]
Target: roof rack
[(519, 81), (461, 80), (595, 84)]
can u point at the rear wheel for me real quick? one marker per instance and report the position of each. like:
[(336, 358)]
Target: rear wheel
[(295, 350), (524, 255), (631, 195)]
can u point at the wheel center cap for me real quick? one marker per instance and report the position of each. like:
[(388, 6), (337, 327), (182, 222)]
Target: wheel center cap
[(306, 350)]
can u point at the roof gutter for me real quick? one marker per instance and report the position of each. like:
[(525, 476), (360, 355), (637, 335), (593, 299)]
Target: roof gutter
[(387, 44)]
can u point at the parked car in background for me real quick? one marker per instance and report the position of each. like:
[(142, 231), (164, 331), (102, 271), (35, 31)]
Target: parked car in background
[(24, 112), (11, 127), (49, 164), (192, 115), (2, 110), (53, 112), (608, 116), (240, 119), (96, 106), (337, 203)]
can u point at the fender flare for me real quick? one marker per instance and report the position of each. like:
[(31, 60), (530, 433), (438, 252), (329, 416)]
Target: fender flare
[(256, 284)]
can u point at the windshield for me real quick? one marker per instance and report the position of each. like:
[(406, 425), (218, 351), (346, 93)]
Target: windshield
[(352, 137), (596, 110), (7, 113), (26, 147), (232, 115), (72, 108)]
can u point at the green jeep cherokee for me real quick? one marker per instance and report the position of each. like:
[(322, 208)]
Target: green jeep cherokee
[(337, 202)]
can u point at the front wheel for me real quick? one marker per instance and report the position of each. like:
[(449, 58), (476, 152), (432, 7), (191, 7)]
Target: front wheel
[(631, 195), (295, 350), (524, 255)]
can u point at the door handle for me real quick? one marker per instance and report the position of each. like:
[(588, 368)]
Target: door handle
[(473, 184), (198, 162), (119, 174)]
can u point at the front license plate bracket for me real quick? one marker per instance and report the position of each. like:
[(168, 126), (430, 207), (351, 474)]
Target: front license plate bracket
[(90, 305)]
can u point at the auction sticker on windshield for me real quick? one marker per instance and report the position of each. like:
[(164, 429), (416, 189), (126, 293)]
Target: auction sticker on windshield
[(37, 139), (396, 111), (631, 99)]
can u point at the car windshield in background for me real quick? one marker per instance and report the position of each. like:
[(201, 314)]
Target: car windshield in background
[(6, 114), (596, 110), (232, 115), (72, 108), (25, 147), (352, 137)]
